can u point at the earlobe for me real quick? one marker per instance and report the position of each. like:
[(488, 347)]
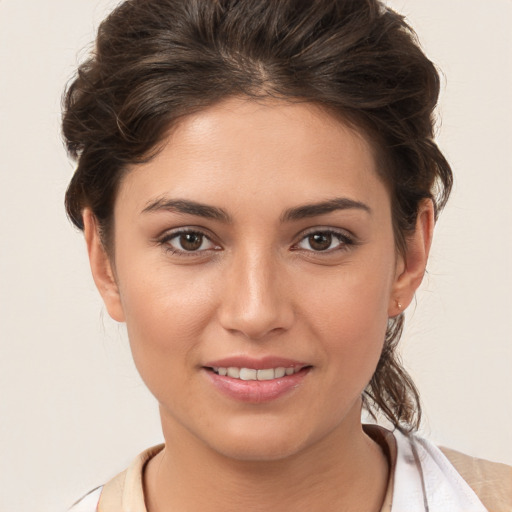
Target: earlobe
[(101, 267), (412, 265)]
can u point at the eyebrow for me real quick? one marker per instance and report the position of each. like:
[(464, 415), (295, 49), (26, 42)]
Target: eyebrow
[(292, 214), (188, 207), (331, 205)]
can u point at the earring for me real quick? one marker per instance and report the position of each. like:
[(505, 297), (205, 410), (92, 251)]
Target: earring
[(399, 304)]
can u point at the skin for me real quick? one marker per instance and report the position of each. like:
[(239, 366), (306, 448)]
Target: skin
[(258, 286)]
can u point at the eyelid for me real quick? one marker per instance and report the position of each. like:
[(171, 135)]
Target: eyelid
[(346, 239), (169, 235)]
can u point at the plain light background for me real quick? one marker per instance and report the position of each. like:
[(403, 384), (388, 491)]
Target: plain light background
[(73, 411)]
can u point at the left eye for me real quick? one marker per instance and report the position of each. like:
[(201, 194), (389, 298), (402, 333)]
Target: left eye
[(322, 241), (189, 241)]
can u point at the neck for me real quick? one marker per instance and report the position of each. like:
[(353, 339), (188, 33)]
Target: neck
[(188, 476)]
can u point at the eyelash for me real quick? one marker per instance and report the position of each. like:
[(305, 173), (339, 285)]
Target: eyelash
[(166, 239), (345, 241)]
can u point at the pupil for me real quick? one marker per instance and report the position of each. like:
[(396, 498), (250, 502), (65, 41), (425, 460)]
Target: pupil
[(191, 241), (320, 242)]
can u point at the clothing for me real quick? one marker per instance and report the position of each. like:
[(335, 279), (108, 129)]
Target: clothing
[(423, 478)]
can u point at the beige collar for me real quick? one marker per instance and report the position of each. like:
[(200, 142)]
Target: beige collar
[(125, 492)]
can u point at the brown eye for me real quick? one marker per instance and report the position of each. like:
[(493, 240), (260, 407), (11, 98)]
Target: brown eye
[(191, 241), (320, 241), (186, 242), (325, 241)]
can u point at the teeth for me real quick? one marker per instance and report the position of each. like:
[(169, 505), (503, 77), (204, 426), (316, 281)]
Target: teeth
[(252, 374), (233, 372), (248, 374), (266, 374), (280, 372)]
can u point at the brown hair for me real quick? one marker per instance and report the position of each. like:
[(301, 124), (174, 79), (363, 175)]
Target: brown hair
[(158, 60)]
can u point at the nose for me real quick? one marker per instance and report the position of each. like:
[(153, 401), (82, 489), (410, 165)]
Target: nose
[(254, 298)]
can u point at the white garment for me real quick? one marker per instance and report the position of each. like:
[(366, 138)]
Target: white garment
[(424, 481)]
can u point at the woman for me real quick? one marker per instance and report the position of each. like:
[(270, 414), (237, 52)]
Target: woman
[(258, 184)]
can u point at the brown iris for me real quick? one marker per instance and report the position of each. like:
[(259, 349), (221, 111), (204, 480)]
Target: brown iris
[(191, 241), (320, 241)]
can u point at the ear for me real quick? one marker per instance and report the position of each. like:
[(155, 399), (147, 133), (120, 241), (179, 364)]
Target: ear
[(101, 267), (411, 266)]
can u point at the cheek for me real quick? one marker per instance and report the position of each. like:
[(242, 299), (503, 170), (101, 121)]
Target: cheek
[(350, 316), (353, 332), (165, 312), (354, 298)]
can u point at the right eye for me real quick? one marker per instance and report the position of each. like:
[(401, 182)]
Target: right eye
[(187, 242)]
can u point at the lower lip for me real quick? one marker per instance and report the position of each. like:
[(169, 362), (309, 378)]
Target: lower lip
[(257, 391)]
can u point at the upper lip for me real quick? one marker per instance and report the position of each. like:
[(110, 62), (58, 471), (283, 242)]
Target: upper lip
[(260, 363)]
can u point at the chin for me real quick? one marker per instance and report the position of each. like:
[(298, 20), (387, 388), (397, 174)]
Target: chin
[(261, 443), (258, 450)]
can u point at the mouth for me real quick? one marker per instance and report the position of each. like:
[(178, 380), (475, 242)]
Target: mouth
[(263, 374), (256, 381)]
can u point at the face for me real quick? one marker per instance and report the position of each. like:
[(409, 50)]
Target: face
[(255, 268)]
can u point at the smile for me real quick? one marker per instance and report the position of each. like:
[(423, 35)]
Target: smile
[(253, 374), (257, 385)]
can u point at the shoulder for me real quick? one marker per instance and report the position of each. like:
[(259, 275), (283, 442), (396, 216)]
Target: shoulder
[(123, 491), (109, 496), (89, 502), (448, 480), (106, 497), (491, 481)]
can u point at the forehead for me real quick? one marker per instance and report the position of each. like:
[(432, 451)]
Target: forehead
[(240, 149)]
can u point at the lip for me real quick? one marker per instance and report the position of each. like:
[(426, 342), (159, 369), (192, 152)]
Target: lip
[(254, 391), (255, 363)]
